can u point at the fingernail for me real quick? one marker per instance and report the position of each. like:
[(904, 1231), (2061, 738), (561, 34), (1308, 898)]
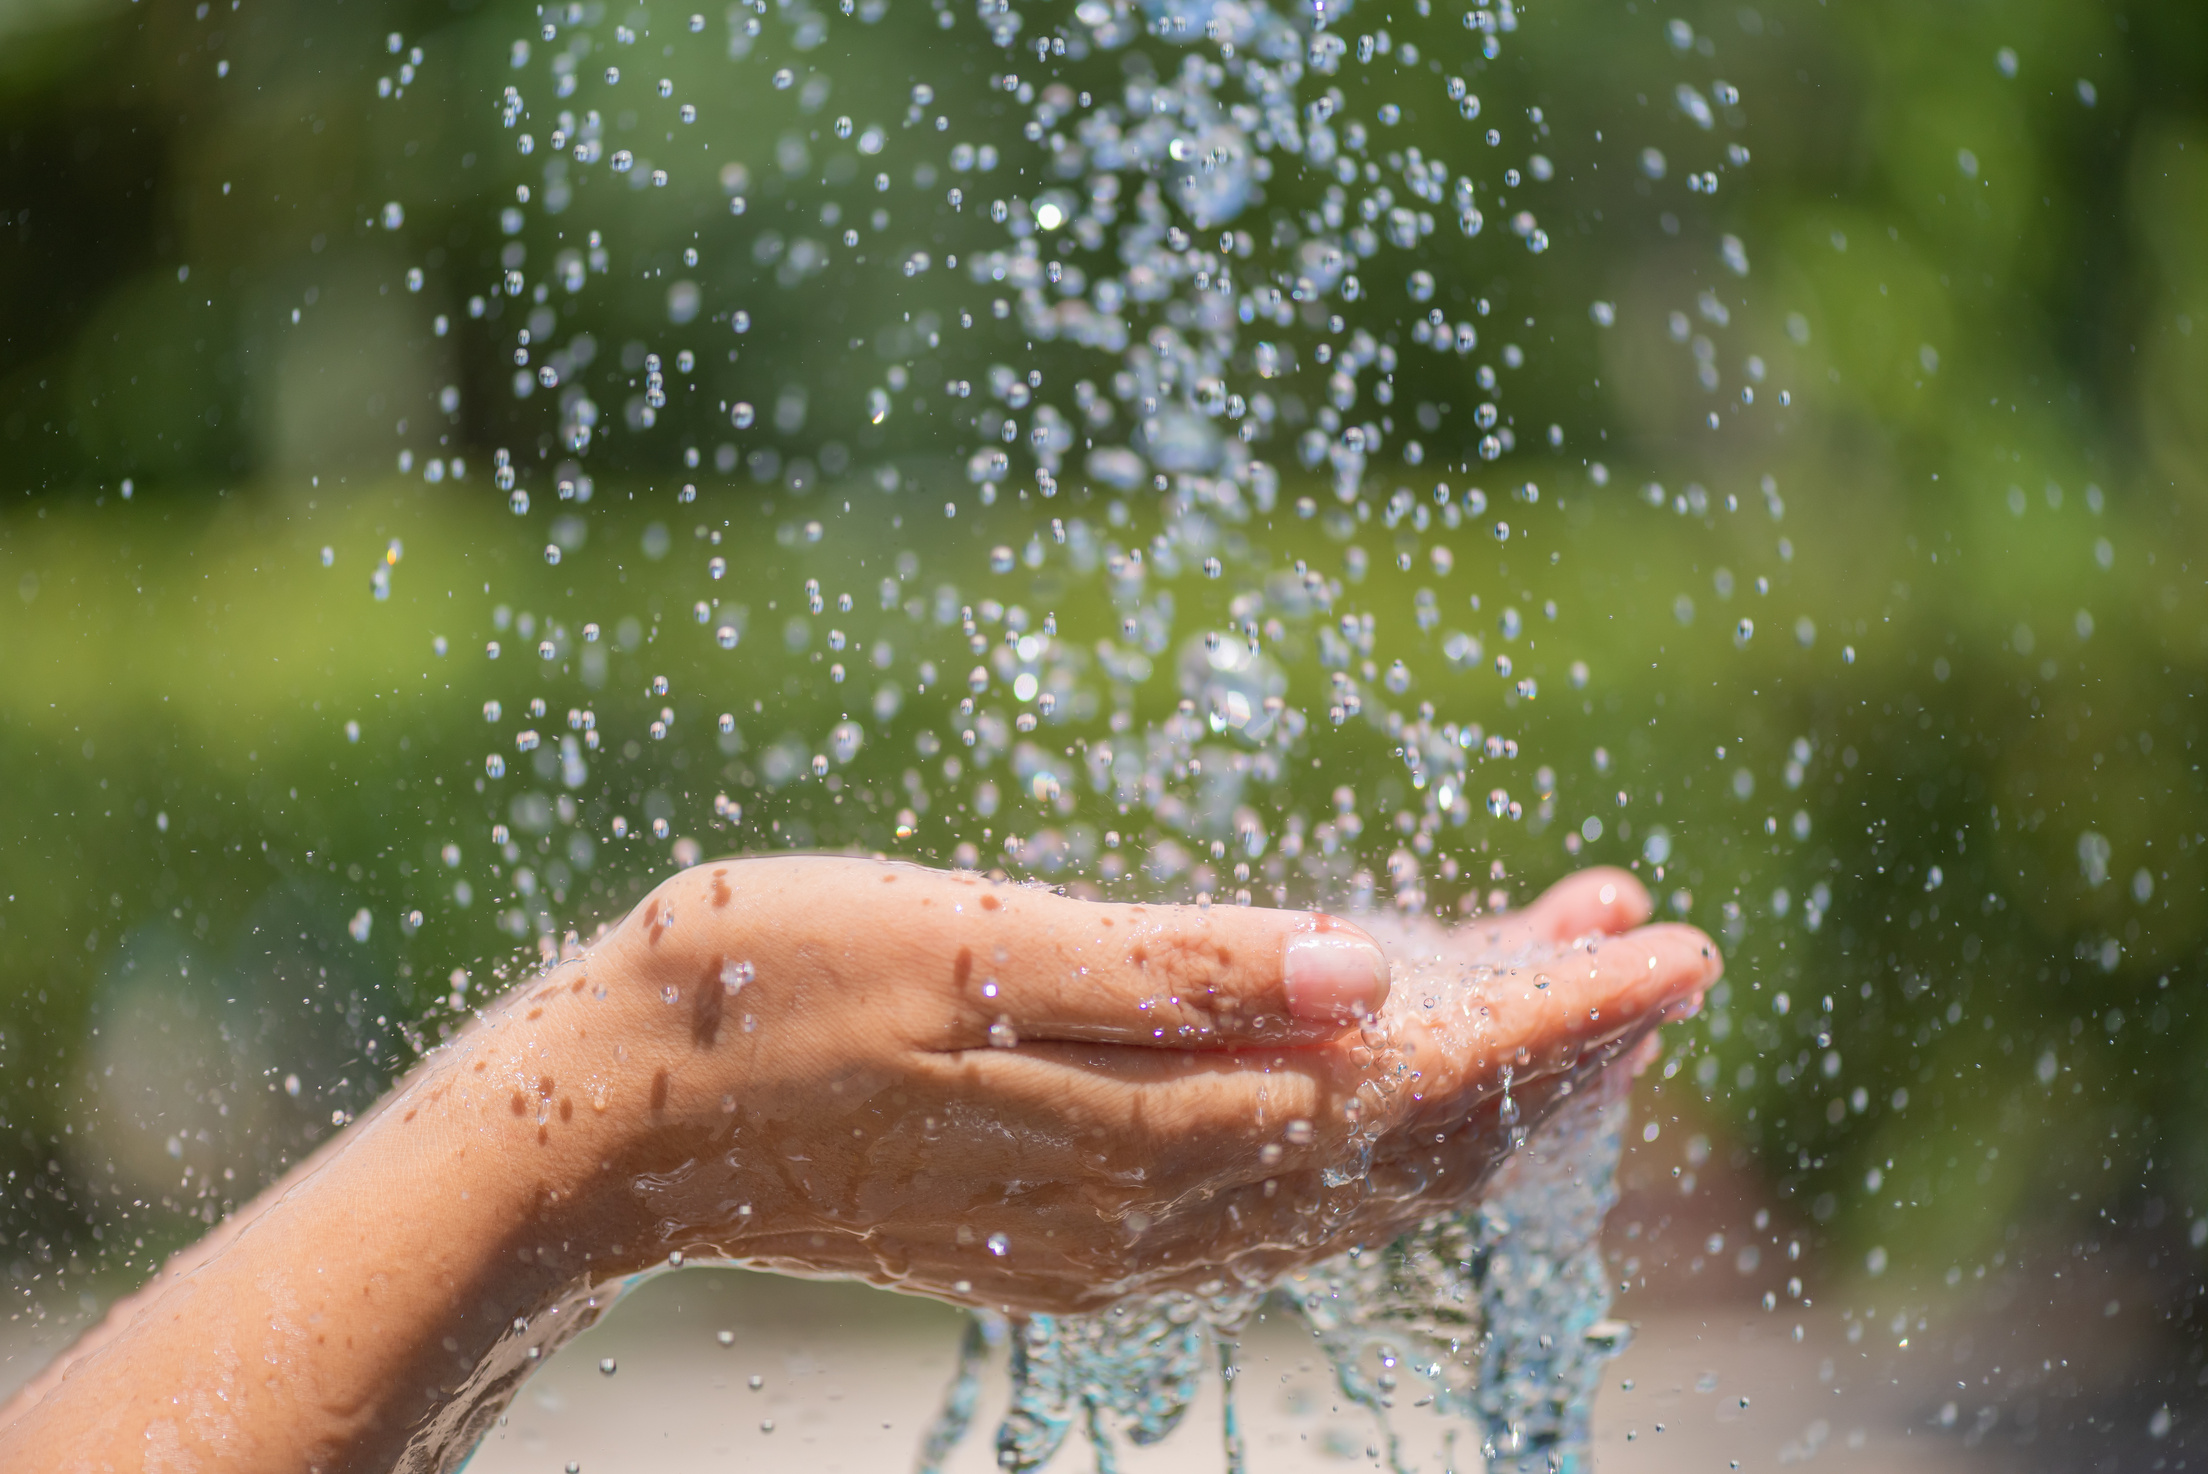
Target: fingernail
[(1334, 975)]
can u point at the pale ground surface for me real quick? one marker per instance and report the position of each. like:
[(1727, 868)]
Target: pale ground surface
[(852, 1377)]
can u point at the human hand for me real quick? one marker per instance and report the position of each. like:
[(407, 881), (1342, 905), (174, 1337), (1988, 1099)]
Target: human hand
[(1173, 1097), (988, 1092)]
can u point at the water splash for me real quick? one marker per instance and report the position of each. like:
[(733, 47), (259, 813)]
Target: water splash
[(1158, 311), (1544, 1294), (957, 1413), (1205, 269), (1495, 1318)]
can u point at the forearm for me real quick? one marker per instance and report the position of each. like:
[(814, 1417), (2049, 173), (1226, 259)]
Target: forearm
[(355, 1299)]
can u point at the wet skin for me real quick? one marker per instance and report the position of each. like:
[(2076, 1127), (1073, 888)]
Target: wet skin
[(828, 1066)]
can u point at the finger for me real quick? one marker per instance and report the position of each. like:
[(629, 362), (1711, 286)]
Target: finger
[(1603, 900), (1546, 1013), (960, 961), (1165, 1117), (1592, 994), (1190, 977), (1179, 977)]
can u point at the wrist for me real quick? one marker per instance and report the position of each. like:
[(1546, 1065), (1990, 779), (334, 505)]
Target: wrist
[(623, 1070)]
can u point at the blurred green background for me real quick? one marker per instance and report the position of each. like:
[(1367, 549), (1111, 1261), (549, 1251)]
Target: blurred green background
[(1942, 803)]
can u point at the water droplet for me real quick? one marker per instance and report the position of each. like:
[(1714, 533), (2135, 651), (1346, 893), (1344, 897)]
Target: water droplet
[(607, 1366), (999, 1245), (734, 975)]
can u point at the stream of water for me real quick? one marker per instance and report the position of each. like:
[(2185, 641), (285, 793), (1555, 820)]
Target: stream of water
[(1175, 257), (1494, 1320)]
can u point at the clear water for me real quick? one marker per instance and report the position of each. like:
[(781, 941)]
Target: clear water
[(1190, 282), (1494, 1320), (1144, 331)]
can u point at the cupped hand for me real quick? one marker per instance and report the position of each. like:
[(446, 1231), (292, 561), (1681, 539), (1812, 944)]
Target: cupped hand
[(970, 1089), (989, 1092)]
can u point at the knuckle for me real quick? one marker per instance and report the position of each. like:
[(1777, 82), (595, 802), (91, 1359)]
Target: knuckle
[(1184, 985), (1191, 966)]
